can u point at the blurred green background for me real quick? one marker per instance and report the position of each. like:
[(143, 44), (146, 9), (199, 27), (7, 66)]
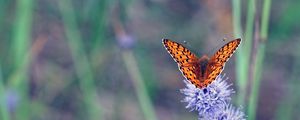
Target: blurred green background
[(104, 60)]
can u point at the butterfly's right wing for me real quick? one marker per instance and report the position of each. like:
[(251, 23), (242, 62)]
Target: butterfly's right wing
[(186, 60), (217, 62)]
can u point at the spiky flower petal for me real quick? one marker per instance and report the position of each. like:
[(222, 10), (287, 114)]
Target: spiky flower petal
[(212, 102), (206, 100), (229, 113)]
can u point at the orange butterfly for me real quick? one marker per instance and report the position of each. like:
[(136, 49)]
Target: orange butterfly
[(200, 71)]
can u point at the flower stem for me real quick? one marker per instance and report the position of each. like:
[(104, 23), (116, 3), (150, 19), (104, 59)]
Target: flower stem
[(140, 88), (81, 63), (241, 67), (258, 61), (20, 45)]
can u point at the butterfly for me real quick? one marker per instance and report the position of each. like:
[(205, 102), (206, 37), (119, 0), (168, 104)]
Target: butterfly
[(200, 71)]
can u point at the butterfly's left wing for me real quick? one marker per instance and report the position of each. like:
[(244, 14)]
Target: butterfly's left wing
[(186, 60), (217, 61)]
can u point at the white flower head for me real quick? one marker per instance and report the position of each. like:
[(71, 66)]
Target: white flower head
[(211, 102)]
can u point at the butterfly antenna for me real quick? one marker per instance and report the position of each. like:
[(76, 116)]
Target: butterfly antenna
[(227, 37), (224, 40), (187, 44)]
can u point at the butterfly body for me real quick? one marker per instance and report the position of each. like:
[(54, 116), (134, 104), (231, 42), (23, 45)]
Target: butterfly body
[(200, 71), (203, 62)]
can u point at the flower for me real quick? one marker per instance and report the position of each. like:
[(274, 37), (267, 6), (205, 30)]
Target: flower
[(212, 102), (214, 96), (229, 113), (232, 113), (12, 99), (125, 41)]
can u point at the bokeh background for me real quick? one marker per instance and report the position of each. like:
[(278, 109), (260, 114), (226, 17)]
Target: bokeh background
[(104, 60)]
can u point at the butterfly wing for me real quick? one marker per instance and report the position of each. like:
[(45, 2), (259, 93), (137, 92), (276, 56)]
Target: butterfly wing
[(186, 60), (217, 62)]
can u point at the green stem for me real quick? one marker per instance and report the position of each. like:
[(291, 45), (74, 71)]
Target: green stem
[(258, 69), (21, 40), (240, 59), (258, 66), (81, 63), (265, 19), (3, 106), (140, 88)]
